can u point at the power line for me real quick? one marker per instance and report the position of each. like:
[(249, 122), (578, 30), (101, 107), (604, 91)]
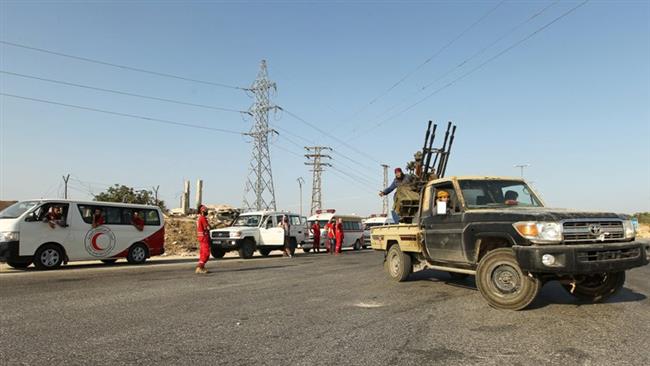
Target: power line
[(480, 66), (151, 119), (328, 134), (121, 92), (467, 59), (431, 58), (125, 67)]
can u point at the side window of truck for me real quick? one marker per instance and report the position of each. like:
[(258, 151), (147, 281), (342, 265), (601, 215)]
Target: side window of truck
[(426, 201), (453, 204)]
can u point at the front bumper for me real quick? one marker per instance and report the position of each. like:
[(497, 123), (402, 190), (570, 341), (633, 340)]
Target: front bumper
[(225, 243), (9, 251), (583, 258)]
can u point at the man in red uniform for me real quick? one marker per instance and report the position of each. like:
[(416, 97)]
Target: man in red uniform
[(339, 235), (315, 228), (137, 221), (330, 227), (203, 234), (98, 218)]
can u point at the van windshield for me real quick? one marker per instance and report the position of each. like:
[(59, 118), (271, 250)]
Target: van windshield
[(17, 209), (247, 220)]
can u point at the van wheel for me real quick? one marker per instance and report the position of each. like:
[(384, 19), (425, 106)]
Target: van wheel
[(357, 245), (246, 249), (19, 265), (398, 264), (48, 256), (264, 252), (109, 261), (598, 287), (306, 250), (137, 253), (503, 284), (217, 252)]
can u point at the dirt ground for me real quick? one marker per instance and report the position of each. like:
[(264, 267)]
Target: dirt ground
[(180, 235), (643, 231)]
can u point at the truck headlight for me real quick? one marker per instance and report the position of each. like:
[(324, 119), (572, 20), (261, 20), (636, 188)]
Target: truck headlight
[(9, 236), (540, 232), (628, 227), (235, 234)]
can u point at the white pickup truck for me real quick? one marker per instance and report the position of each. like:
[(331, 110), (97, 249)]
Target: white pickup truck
[(257, 230)]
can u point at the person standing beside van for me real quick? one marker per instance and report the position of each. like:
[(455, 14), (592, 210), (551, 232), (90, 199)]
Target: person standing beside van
[(331, 236), (98, 218), (203, 235), (286, 227), (339, 236), (315, 228)]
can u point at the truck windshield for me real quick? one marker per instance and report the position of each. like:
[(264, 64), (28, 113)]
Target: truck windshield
[(247, 220), (497, 193), (17, 209)]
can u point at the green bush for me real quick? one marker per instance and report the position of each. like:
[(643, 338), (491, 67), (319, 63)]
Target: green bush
[(643, 217)]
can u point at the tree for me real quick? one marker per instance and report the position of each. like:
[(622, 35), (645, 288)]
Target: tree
[(124, 194)]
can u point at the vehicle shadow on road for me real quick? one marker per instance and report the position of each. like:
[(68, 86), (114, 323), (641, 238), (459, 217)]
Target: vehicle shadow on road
[(552, 293)]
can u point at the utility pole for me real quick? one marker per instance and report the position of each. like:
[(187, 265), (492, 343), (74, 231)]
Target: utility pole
[(384, 206), (65, 182), (259, 193), (300, 183), (315, 156), (155, 194), (521, 166)]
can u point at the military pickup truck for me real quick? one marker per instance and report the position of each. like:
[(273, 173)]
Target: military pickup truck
[(499, 230)]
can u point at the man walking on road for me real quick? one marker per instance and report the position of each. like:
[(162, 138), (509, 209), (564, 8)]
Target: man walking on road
[(203, 234), (286, 227)]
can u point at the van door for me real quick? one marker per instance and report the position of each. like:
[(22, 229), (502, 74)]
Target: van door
[(34, 231), (271, 233)]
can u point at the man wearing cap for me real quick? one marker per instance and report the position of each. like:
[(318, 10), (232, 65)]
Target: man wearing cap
[(442, 196), (203, 234), (400, 179)]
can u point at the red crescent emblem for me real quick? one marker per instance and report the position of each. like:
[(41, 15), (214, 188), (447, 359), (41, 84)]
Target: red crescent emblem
[(93, 242)]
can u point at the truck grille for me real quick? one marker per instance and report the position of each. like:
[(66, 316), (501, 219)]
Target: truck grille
[(220, 234), (608, 254), (590, 231)]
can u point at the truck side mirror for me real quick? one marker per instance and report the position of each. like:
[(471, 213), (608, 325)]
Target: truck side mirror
[(31, 217)]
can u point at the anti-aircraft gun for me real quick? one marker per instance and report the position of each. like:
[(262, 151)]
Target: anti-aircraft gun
[(429, 163)]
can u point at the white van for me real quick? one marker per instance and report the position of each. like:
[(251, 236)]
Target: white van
[(374, 220), (29, 233), (352, 230), (257, 230)]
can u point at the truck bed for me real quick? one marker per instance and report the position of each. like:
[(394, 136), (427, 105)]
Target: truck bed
[(408, 236)]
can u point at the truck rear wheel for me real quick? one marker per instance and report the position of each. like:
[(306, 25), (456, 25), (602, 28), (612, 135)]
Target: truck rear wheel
[(19, 265), (264, 252), (246, 249), (398, 264), (503, 284), (598, 287)]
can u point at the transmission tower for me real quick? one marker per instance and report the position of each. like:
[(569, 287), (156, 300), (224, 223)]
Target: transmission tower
[(384, 205), (259, 193), (315, 156)]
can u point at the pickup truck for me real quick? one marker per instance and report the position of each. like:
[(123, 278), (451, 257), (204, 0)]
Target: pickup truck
[(257, 231), (499, 230)]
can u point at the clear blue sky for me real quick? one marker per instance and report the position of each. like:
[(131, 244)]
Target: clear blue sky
[(573, 100)]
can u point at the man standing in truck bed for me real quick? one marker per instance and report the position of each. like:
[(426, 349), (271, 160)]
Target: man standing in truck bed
[(400, 179)]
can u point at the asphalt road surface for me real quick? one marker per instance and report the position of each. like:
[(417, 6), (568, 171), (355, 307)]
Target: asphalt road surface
[(309, 310)]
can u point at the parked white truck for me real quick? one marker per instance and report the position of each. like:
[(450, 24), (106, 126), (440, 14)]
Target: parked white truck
[(259, 231)]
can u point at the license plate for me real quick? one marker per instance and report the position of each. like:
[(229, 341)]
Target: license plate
[(218, 242)]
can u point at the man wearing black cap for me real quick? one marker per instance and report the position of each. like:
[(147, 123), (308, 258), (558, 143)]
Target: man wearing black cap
[(400, 179)]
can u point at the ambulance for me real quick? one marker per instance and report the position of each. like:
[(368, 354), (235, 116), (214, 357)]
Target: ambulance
[(371, 221), (49, 233), (352, 229)]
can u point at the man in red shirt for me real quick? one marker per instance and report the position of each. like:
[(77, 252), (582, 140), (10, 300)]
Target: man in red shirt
[(203, 234), (315, 228), (98, 218), (339, 236), (137, 221), (330, 227)]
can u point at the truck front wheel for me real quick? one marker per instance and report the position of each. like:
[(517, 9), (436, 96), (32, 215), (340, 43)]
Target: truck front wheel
[(598, 287), (398, 264), (503, 284), (246, 249), (217, 252)]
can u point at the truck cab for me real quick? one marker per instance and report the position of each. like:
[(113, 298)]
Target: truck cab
[(498, 229)]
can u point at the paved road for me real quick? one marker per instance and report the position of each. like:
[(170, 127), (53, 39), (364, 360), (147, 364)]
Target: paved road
[(309, 310)]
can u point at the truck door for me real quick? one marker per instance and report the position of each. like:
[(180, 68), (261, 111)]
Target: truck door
[(271, 233), (443, 233)]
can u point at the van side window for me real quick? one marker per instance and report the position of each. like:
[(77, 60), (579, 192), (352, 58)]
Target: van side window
[(151, 217), (112, 215), (86, 213)]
